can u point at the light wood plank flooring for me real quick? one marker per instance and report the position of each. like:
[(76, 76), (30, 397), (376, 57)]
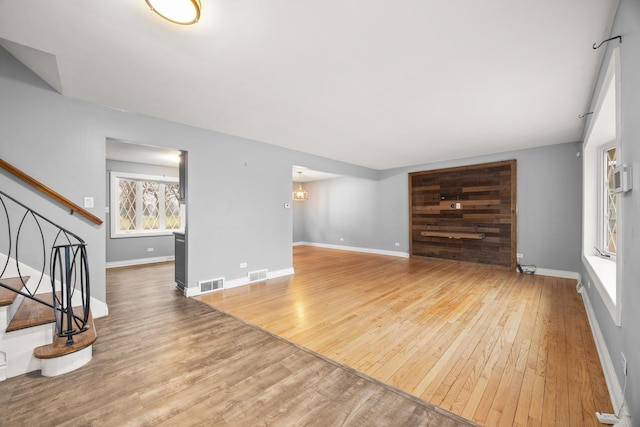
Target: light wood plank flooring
[(494, 346), (165, 360)]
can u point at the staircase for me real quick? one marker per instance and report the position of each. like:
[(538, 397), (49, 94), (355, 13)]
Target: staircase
[(28, 339), (45, 318)]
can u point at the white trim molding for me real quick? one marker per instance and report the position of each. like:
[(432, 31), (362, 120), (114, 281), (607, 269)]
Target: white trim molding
[(240, 281), (3, 366), (139, 261), (98, 308), (613, 385), (540, 271), (603, 130), (558, 273), (354, 249)]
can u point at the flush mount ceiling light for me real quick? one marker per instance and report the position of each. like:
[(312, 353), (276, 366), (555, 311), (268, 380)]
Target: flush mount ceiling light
[(300, 194), (183, 12)]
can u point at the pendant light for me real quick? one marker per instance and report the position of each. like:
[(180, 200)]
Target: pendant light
[(300, 194), (183, 12)]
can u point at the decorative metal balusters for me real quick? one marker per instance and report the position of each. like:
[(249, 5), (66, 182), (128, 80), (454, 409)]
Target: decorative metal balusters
[(40, 242)]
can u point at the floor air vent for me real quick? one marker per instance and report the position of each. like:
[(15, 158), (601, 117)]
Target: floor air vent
[(257, 276), (211, 285)]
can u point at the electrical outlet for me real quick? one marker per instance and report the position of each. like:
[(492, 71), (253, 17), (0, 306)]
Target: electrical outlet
[(397, 243), (149, 249), (243, 265), (519, 255), (624, 364)]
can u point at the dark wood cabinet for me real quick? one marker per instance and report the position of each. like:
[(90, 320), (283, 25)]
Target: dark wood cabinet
[(465, 213), (180, 260), (181, 238)]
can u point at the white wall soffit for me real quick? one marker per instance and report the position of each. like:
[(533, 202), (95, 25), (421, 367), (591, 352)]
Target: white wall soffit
[(42, 63), (309, 175), (145, 154)]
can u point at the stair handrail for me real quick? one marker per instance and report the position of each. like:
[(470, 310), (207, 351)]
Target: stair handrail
[(68, 263), (49, 192)]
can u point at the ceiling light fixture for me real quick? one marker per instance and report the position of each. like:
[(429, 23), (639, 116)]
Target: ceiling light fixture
[(300, 194), (183, 12)]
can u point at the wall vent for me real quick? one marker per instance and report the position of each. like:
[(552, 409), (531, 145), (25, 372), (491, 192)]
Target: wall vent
[(211, 285), (257, 276)]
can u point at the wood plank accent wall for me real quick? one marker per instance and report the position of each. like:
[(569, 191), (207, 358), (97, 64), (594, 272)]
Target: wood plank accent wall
[(465, 213)]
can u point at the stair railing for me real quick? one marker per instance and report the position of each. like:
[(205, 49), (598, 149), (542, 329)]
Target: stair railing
[(62, 253), (73, 207)]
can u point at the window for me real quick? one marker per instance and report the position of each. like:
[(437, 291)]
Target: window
[(602, 226), (144, 205), (608, 225)]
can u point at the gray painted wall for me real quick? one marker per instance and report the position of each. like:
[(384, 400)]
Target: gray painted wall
[(135, 248), (341, 208), (375, 213), (625, 338), (59, 142), (237, 187)]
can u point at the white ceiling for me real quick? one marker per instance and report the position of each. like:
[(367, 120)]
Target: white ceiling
[(377, 83)]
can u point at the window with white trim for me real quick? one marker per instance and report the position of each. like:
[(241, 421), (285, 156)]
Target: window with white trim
[(608, 203), (602, 226), (144, 205)]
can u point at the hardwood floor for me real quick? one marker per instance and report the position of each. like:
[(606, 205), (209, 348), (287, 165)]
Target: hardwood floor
[(494, 346), (163, 359)]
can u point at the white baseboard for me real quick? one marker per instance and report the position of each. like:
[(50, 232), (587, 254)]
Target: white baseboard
[(3, 366), (355, 249), (98, 308), (558, 273), (613, 385), (139, 261), (242, 281), (540, 271), (191, 292)]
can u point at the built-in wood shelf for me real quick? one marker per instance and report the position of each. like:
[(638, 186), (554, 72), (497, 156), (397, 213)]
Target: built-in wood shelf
[(453, 235)]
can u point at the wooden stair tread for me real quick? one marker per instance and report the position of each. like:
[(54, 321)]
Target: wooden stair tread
[(7, 297), (32, 313), (59, 346)]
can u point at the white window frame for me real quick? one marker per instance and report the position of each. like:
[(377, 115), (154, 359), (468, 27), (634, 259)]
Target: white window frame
[(114, 208), (603, 131), (603, 244)]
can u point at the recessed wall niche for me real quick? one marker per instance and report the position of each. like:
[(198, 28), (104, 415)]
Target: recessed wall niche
[(465, 213)]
